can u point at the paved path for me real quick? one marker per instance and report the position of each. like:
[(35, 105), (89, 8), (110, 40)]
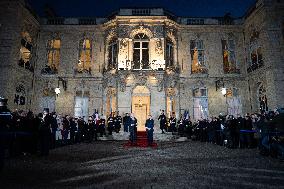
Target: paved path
[(107, 164)]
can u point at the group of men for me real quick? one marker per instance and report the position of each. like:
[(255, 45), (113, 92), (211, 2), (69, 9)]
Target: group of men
[(131, 125)]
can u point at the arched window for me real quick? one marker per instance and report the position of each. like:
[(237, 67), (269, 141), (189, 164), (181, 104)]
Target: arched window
[(112, 54), (141, 51), (85, 56), (200, 103), (169, 53)]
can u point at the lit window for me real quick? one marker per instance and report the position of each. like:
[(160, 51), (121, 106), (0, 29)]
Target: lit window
[(197, 57), (229, 57), (53, 55), (255, 52), (25, 52), (85, 56), (141, 51)]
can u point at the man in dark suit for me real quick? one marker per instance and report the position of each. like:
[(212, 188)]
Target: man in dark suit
[(133, 129), (149, 129), (45, 133), (163, 121)]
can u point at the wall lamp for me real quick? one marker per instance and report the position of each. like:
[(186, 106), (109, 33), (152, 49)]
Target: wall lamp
[(64, 84)]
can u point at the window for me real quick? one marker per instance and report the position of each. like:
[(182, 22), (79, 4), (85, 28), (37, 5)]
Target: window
[(141, 52), (26, 52), (171, 101), (81, 107), (112, 54), (87, 21), (195, 21), (229, 58), (256, 56), (48, 102), (85, 56), (169, 53), (233, 102), (53, 55), (138, 12), (200, 104), (197, 57), (255, 53)]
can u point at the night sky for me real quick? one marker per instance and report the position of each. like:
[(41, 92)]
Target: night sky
[(103, 8)]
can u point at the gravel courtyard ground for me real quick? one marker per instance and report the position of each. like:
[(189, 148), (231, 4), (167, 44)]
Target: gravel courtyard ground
[(107, 164)]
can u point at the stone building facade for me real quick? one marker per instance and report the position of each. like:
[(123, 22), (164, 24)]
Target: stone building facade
[(143, 61)]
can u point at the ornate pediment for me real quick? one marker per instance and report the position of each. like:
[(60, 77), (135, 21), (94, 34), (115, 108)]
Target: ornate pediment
[(141, 29)]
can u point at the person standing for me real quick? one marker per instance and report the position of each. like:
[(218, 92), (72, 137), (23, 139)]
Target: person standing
[(73, 129), (65, 131), (133, 129), (126, 122), (102, 125), (90, 129), (163, 121), (45, 133), (173, 122), (150, 130), (118, 121), (54, 127), (110, 124)]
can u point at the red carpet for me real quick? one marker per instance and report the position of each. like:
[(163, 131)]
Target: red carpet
[(141, 141)]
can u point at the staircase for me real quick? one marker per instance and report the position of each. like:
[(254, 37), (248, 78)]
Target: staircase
[(141, 140)]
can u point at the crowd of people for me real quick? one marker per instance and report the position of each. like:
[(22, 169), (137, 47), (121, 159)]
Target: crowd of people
[(25, 132), (264, 131)]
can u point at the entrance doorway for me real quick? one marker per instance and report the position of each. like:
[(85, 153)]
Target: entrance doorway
[(141, 105)]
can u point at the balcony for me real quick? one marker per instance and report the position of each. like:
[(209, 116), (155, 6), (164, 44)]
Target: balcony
[(27, 65), (137, 65), (200, 70), (231, 70), (255, 66)]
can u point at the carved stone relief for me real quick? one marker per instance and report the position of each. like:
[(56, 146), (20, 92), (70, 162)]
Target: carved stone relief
[(158, 47)]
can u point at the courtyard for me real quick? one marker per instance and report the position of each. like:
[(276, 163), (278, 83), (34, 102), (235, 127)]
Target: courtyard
[(108, 164)]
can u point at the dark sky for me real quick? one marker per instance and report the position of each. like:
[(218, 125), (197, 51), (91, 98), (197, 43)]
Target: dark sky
[(103, 8)]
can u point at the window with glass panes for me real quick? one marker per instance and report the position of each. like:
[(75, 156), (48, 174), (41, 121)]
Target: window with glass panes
[(255, 50), (25, 51), (53, 54), (85, 56), (112, 54), (141, 52), (200, 104), (229, 58), (169, 53), (197, 56)]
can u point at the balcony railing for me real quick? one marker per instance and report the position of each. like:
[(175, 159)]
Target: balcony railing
[(255, 66), (200, 70), (27, 65), (231, 70), (143, 65)]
